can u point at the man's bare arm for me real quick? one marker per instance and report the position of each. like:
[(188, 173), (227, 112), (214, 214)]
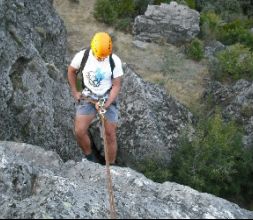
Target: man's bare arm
[(72, 78)]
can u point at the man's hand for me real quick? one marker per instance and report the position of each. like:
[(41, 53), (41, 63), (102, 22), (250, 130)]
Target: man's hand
[(99, 107), (77, 95)]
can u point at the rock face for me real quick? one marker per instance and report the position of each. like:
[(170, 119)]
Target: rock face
[(36, 184), (35, 103), (150, 121), (172, 23), (237, 103)]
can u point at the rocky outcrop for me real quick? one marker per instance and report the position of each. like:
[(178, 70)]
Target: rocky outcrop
[(36, 184), (150, 121), (172, 23), (35, 103), (237, 103)]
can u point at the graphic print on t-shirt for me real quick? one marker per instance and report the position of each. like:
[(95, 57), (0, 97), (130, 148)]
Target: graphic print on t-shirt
[(95, 78)]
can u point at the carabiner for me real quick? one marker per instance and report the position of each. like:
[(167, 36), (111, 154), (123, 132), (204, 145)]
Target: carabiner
[(102, 111), (101, 102)]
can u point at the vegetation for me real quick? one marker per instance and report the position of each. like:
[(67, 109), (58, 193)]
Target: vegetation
[(210, 23), (235, 62), (120, 13), (228, 22), (237, 31), (213, 161), (195, 50)]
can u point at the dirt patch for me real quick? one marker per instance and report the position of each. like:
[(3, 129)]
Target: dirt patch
[(162, 64)]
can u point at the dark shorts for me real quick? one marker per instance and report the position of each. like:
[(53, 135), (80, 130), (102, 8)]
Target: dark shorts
[(87, 108)]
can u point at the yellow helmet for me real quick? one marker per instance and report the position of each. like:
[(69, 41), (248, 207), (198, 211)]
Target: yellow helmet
[(101, 45)]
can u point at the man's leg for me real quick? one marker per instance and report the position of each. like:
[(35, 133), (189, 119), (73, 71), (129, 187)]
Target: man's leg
[(82, 123), (110, 133)]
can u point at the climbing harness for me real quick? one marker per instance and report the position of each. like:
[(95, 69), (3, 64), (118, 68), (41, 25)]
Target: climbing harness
[(101, 112)]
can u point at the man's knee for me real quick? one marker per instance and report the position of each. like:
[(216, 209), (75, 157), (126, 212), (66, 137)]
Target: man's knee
[(80, 131), (110, 135)]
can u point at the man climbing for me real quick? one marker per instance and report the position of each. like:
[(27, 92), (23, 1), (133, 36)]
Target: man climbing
[(101, 77)]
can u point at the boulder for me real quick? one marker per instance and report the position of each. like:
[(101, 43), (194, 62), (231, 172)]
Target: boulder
[(37, 184), (172, 23)]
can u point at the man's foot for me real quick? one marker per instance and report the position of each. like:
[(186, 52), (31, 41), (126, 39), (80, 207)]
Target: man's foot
[(91, 157)]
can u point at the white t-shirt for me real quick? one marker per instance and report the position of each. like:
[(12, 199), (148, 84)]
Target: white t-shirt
[(97, 74)]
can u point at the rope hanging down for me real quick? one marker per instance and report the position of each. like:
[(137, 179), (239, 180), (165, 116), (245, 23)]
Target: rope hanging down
[(101, 113)]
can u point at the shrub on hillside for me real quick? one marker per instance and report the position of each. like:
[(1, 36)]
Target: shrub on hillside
[(236, 31), (209, 23), (214, 161), (236, 62), (124, 8), (105, 12), (119, 13), (124, 24), (195, 50), (228, 9), (154, 169)]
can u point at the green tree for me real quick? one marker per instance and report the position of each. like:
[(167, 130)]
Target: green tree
[(215, 160)]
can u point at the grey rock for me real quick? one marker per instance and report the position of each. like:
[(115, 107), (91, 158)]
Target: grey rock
[(172, 23), (35, 103), (213, 47), (29, 189)]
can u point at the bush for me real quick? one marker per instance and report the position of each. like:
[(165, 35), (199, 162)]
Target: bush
[(236, 32), (195, 50), (105, 12), (124, 8), (154, 169), (215, 160), (209, 23), (232, 6), (191, 3), (227, 9), (235, 62), (124, 24), (119, 13)]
